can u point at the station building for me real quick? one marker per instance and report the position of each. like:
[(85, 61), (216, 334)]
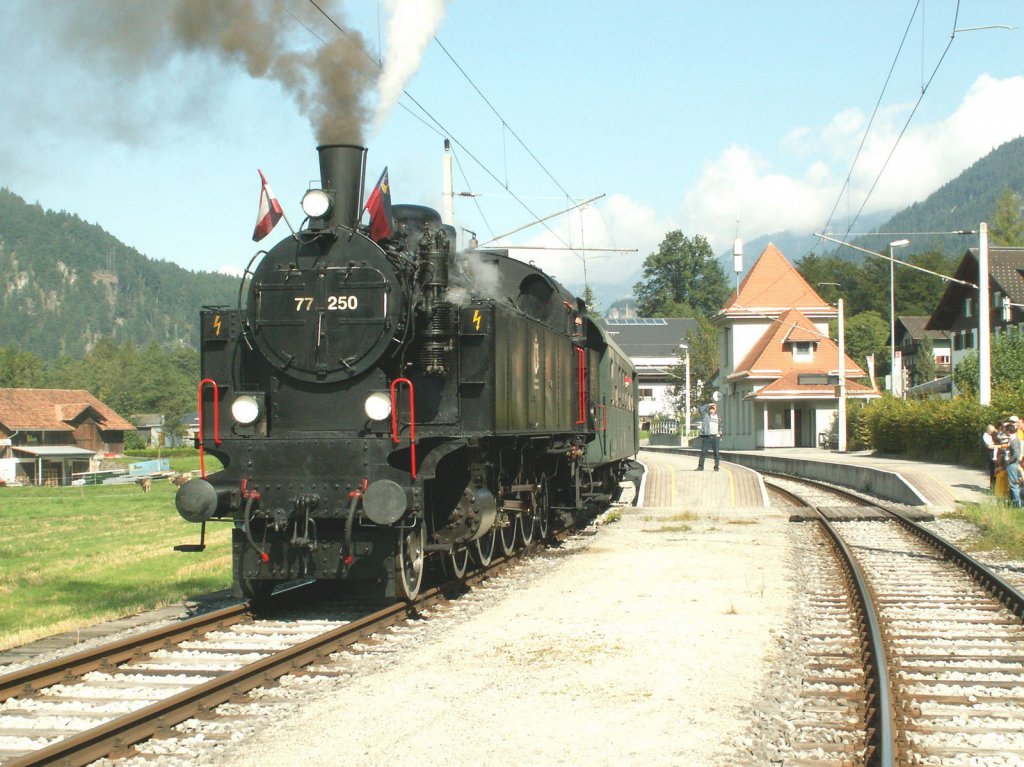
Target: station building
[(778, 368)]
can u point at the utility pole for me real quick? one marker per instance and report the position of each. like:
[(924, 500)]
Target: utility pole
[(842, 381), (984, 321)]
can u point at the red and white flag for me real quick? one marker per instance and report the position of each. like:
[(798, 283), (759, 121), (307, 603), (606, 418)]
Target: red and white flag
[(270, 211), (379, 206)]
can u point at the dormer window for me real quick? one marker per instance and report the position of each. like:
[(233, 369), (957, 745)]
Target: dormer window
[(803, 351)]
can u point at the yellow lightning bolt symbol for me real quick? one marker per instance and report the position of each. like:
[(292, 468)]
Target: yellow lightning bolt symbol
[(476, 319), (216, 324)]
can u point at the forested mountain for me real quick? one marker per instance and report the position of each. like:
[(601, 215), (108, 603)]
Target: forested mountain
[(65, 284), (961, 203)]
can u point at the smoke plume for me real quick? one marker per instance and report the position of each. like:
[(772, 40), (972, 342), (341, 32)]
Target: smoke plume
[(328, 73), (412, 26)]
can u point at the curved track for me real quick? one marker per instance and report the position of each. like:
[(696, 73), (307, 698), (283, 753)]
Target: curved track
[(949, 631)]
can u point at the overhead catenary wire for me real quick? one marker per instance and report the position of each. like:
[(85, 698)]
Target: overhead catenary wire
[(442, 130), (924, 89), (871, 120)]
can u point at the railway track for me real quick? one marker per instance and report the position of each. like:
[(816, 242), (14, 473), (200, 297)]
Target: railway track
[(100, 702), (921, 663)]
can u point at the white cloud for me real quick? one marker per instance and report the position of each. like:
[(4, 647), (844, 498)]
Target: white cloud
[(745, 187), (742, 186), (613, 222)]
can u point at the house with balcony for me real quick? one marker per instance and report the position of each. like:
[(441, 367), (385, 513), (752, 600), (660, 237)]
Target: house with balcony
[(958, 311), (47, 435), (910, 332)]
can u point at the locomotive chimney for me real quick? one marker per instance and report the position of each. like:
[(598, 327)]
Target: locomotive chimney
[(342, 172)]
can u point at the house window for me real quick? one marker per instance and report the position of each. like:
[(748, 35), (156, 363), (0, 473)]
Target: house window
[(778, 416), (646, 395), (968, 307), (997, 299), (803, 351), (969, 339)]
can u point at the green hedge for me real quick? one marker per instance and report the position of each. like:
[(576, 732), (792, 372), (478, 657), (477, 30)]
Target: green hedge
[(947, 431), (164, 452)]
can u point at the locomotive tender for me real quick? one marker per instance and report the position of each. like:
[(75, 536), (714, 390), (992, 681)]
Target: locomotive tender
[(376, 403)]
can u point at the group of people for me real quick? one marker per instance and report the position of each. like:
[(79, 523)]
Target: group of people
[(1005, 445)]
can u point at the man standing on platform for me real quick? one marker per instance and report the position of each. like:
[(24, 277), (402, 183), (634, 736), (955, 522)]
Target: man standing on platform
[(710, 434)]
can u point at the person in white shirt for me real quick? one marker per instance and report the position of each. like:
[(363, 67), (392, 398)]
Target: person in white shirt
[(710, 434)]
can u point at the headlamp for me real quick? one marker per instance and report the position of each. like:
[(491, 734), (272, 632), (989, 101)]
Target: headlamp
[(377, 406), (245, 409)]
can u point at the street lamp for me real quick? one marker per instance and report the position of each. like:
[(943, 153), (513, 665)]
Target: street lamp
[(685, 350), (892, 314)]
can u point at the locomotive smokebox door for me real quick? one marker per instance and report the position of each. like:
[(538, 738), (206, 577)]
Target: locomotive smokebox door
[(384, 502)]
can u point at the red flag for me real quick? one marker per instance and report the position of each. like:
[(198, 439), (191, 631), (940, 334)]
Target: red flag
[(270, 211), (379, 206)]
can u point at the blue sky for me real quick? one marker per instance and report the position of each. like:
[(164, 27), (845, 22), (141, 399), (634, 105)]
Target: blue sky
[(715, 118)]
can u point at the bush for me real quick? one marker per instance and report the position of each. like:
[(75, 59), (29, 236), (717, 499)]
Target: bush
[(945, 430)]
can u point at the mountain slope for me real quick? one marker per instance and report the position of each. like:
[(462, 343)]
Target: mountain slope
[(66, 283)]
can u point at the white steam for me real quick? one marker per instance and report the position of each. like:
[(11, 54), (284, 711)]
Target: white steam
[(410, 29)]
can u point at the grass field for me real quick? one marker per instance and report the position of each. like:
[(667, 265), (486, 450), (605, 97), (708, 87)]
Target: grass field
[(1001, 527), (73, 556)]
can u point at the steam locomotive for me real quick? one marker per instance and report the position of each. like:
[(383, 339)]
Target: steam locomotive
[(378, 404)]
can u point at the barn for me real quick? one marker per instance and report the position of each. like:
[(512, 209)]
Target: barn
[(47, 435)]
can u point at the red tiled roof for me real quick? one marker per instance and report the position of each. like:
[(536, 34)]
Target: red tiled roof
[(770, 357), (55, 410), (774, 283)]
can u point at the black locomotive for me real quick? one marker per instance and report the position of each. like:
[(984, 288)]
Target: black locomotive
[(376, 403)]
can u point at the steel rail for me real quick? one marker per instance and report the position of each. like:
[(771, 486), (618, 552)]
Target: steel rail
[(104, 656), (118, 735), (881, 717), (1008, 595), (881, 736)]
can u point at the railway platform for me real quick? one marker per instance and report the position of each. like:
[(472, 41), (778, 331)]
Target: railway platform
[(914, 483), (672, 482)]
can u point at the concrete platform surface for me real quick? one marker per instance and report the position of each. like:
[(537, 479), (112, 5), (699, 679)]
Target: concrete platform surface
[(900, 479), (962, 484), (672, 482)]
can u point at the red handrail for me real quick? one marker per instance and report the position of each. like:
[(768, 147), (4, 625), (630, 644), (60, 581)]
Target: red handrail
[(216, 420), (412, 420), (581, 373)]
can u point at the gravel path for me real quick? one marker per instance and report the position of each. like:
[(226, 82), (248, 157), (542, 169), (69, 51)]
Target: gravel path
[(644, 642)]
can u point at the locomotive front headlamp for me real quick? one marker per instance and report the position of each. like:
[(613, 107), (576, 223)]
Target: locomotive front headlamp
[(245, 409), (377, 406), (316, 203)]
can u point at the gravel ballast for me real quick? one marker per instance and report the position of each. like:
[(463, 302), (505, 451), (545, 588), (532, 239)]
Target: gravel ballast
[(645, 641)]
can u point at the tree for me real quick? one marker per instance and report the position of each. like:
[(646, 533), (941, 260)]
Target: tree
[(683, 271), (924, 363), (20, 370), (866, 333), (702, 343), (1008, 220), (590, 300), (1007, 365)]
